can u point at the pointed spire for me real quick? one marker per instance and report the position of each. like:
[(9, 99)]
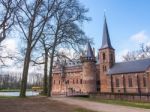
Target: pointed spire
[(88, 55), (106, 43), (89, 51)]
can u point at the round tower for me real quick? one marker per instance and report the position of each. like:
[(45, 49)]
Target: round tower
[(89, 71)]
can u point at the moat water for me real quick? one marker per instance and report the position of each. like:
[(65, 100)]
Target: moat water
[(28, 93)]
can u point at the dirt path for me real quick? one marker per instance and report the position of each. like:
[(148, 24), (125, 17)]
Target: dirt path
[(35, 104), (99, 106)]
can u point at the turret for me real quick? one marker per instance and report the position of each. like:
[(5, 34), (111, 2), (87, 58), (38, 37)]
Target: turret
[(89, 70)]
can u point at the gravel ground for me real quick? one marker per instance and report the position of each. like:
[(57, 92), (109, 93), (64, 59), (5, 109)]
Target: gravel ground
[(98, 106), (34, 104)]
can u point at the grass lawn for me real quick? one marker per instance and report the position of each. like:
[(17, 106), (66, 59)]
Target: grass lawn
[(120, 102), (8, 97), (36, 104), (12, 90)]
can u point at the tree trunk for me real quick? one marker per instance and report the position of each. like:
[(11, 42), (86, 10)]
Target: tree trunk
[(50, 73), (45, 86), (51, 66), (25, 72)]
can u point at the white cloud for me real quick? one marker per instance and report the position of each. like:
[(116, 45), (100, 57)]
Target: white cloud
[(9, 49), (10, 44), (120, 54), (68, 52), (139, 37)]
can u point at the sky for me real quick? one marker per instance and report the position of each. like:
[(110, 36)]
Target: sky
[(128, 23)]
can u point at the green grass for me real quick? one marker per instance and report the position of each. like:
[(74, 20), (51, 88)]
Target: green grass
[(120, 102), (8, 97), (83, 110), (12, 90)]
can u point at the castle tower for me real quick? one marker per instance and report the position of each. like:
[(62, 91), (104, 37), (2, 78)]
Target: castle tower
[(106, 59), (89, 71)]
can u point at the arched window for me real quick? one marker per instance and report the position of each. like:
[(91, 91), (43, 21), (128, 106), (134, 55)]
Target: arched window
[(68, 81), (80, 81), (77, 81), (111, 57), (54, 81), (144, 81), (117, 82), (104, 56), (104, 68), (130, 82)]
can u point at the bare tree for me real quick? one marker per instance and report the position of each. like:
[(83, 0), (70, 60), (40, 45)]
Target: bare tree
[(142, 53), (8, 10), (65, 29), (131, 56), (45, 41), (32, 18)]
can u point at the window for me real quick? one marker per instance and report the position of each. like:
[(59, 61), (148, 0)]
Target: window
[(130, 82), (104, 68), (144, 81), (54, 82), (68, 82), (77, 81), (98, 89), (80, 81), (59, 81), (104, 57), (98, 82), (117, 82), (111, 57), (73, 81)]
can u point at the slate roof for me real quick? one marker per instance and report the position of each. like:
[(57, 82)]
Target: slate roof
[(106, 43), (89, 51), (130, 67)]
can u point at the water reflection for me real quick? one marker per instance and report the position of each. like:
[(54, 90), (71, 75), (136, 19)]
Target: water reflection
[(28, 93)]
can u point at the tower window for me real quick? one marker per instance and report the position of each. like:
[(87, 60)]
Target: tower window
[(98, 82), (117, 82), (59, 81), (68, 81), (104, 68), (80, 81), (54, 81), (111, 57), (130, 82), (77, 81), (104, 56), (144, 81)]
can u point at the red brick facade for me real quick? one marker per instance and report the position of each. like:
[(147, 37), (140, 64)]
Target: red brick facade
[(92, 77), (89, 77)]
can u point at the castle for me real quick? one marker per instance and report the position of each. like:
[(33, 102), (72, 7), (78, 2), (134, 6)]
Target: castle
[(104, 75)]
